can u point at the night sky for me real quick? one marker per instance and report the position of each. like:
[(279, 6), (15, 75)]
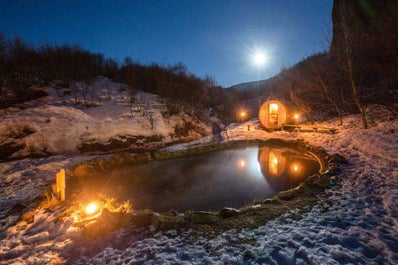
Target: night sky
[(211, 37)]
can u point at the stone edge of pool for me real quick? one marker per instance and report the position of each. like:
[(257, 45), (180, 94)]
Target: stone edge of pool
[(259, 212)]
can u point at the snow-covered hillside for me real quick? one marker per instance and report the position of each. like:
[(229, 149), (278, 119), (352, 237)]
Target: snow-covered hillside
[(355, 223), (250, 85), (114, 120)]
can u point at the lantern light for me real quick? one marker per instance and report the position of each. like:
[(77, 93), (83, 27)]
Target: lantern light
[(91, 208), (242, 163), (296, 168), (242, 115)]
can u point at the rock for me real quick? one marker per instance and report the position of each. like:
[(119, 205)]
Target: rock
[(247, 254), (94, 230), (115, 219), (16, 209), (334, 180), (271, 201), (8, 149), (106, 214), (142, 219), (228, 212), (288, 195), (338, 158), (203, 217), (317, 182), (160, 155), (167, 222), (107, 222)]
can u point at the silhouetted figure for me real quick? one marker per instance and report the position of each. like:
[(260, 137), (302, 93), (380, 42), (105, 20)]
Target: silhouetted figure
[(216, 130)]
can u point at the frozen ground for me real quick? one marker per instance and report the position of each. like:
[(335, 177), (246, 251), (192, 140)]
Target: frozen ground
[(357, 223), (57, 125)]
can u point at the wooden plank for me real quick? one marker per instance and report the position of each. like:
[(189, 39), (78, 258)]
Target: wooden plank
[(294, 127), (60, 185), (331, 130), (305, 128)]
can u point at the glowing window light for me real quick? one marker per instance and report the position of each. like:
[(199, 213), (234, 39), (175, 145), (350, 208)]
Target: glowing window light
[(91, 208), (273, 108), (273, 164)]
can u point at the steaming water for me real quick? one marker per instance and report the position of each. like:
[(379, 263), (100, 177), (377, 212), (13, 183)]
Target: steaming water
[(228, 178)]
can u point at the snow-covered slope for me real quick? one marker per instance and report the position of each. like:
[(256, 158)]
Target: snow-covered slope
[(57, 125), (356, 223), (250, 85)]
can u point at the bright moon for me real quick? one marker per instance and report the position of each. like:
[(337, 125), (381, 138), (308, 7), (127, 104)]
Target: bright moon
[(259, 58)]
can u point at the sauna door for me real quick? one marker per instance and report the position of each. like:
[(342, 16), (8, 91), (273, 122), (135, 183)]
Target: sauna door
[(273, 115)]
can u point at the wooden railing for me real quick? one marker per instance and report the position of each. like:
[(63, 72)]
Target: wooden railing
[(308, 128)]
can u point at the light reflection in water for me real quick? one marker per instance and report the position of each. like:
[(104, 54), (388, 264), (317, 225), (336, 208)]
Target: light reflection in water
[(285, 168), (228, 178), (295, 167), (241, 163)]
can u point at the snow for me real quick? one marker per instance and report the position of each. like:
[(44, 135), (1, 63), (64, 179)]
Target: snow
[(356, 223), (60, 126)]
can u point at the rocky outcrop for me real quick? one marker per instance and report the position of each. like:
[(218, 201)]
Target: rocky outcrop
[(122, 142), (7, 149)]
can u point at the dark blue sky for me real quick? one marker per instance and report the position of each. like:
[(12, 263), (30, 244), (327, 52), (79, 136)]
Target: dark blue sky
[(213, 37)]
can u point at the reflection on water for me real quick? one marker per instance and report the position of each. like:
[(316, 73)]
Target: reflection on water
[(229, 178), (285, 168)]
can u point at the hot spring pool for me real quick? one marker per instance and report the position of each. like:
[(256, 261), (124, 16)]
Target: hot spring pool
[(228, 178)]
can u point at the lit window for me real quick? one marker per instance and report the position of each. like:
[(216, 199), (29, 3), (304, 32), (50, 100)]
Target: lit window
[(273, 108)]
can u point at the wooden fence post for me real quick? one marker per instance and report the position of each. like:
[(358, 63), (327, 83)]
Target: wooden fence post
[(60, 189)]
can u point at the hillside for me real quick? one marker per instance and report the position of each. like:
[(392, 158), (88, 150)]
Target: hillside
[(260, 87), (101, 118), (249, 85)]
